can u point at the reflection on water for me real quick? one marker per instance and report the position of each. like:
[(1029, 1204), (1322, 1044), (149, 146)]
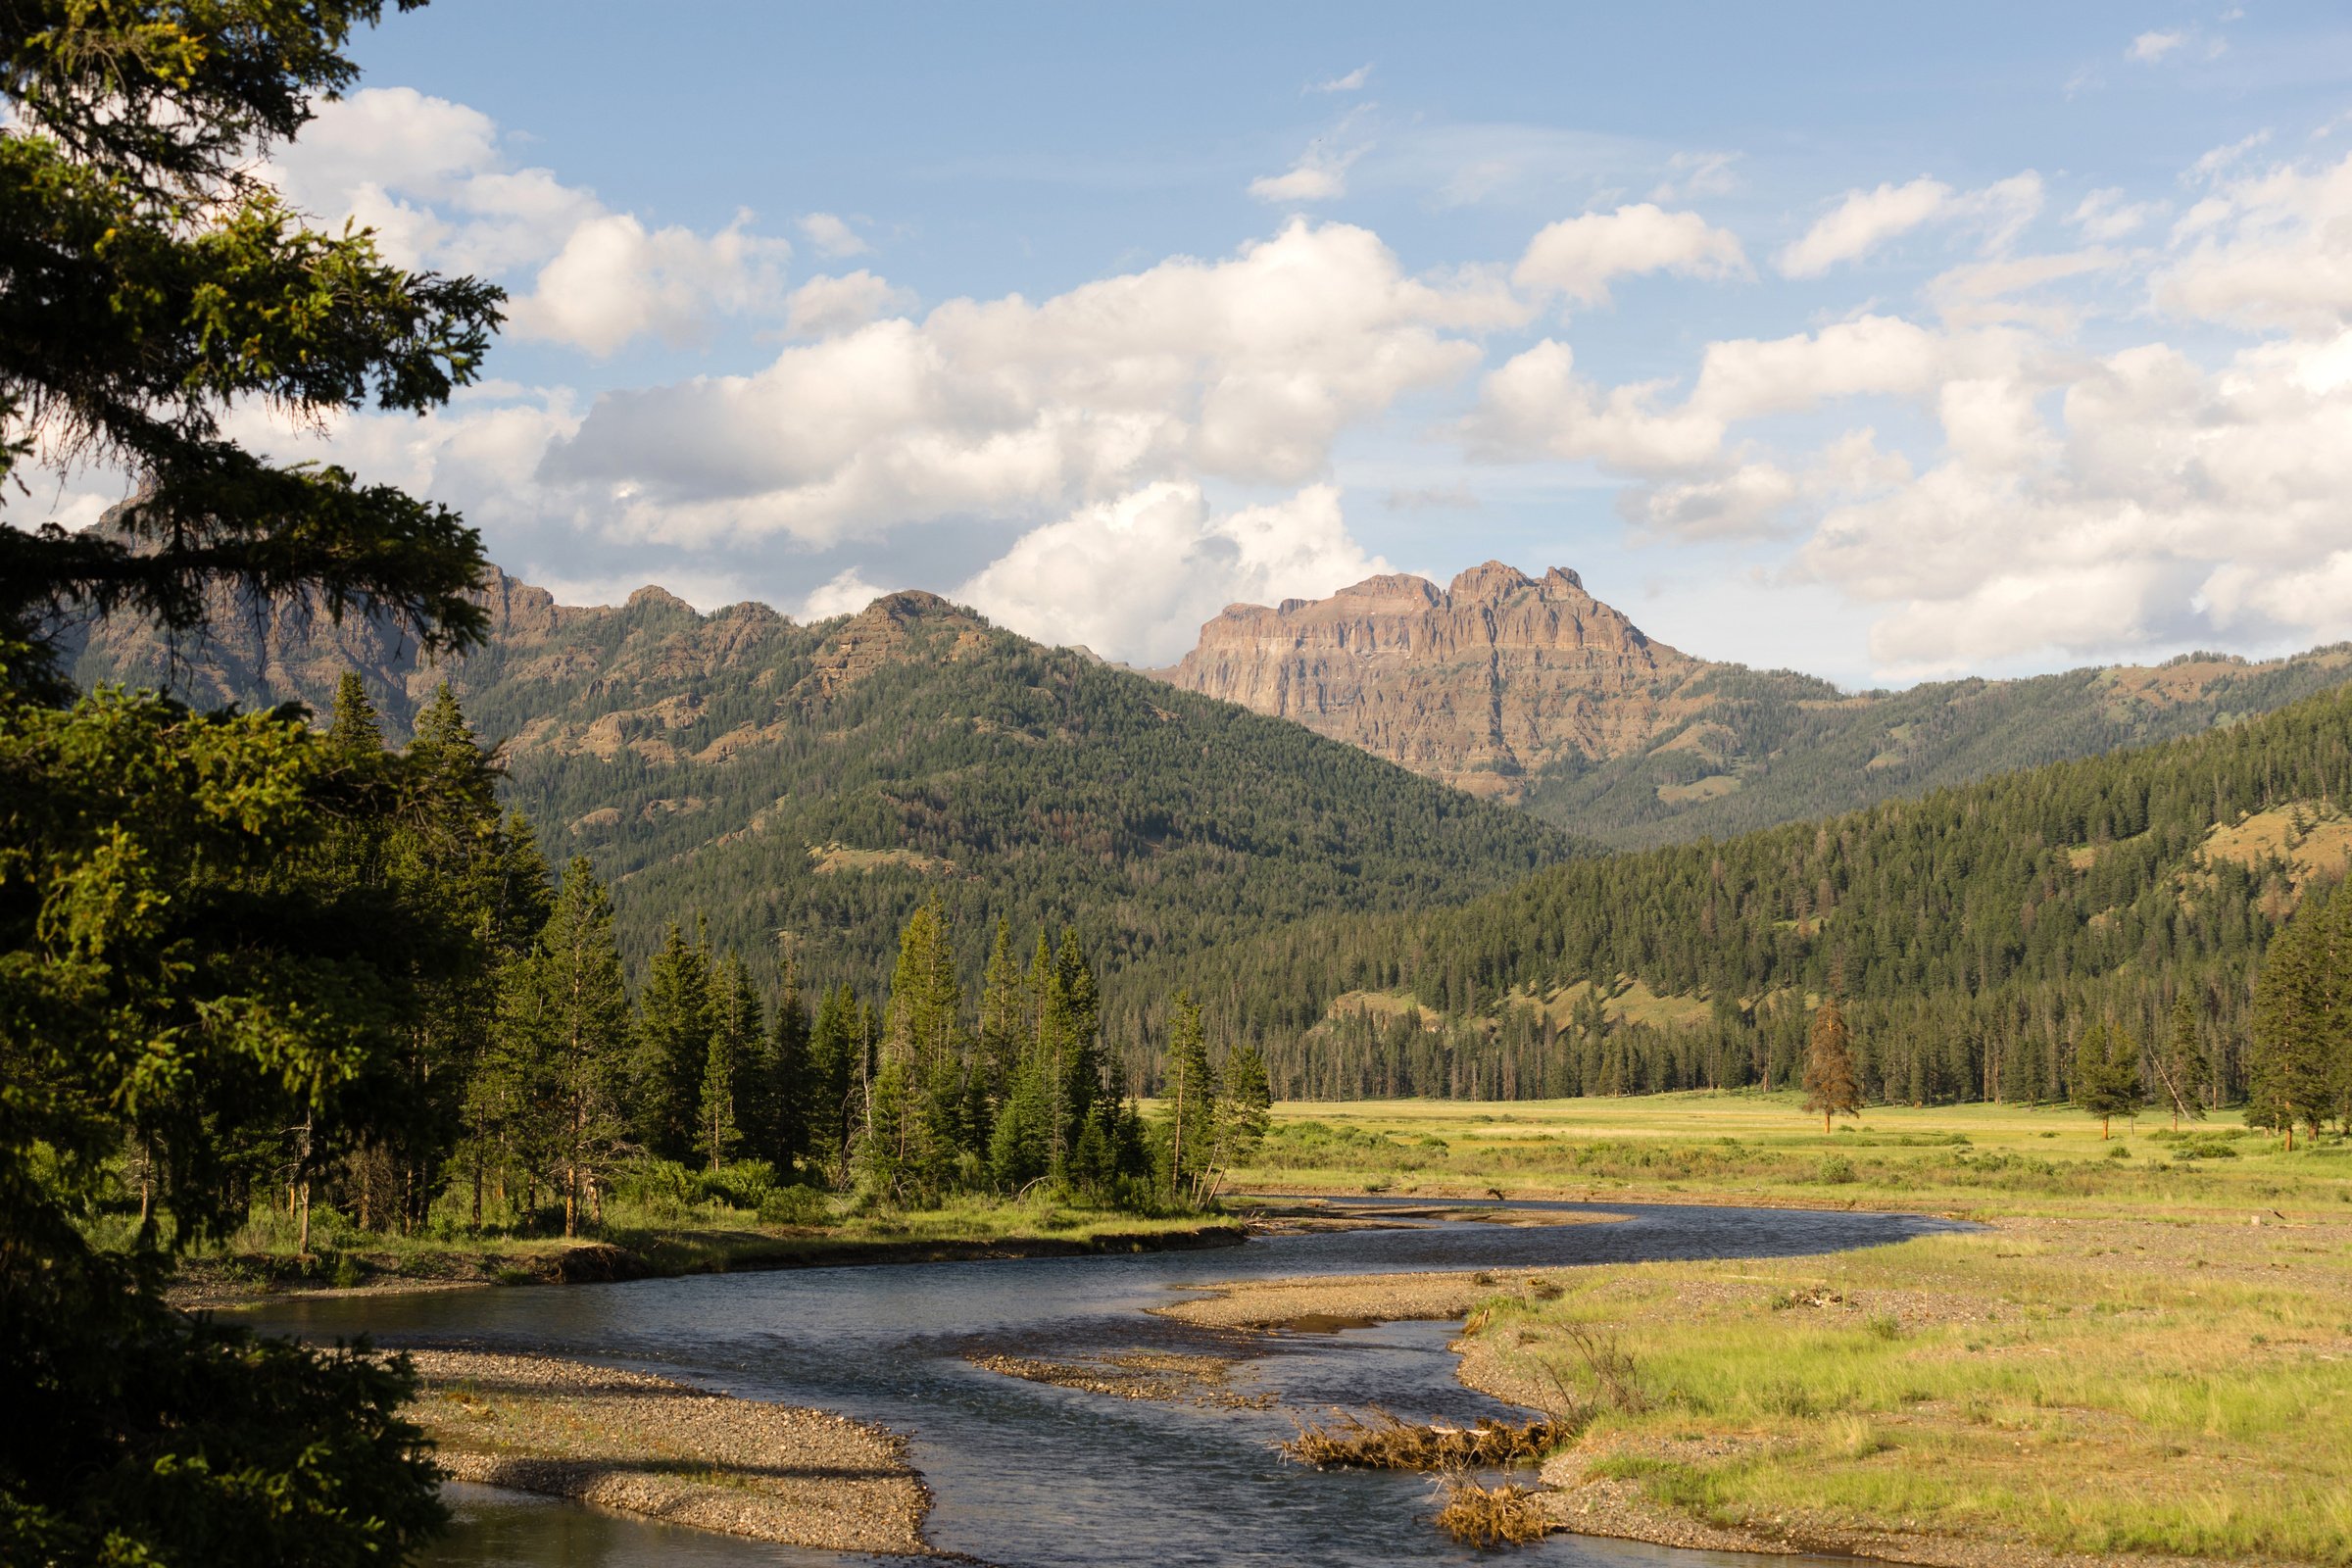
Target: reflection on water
[(1029, 1473), (493, 1529)]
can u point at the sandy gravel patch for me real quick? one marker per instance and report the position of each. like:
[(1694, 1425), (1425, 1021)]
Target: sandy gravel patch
[(1362, 1299), (1164, 1377), (648, 1446)]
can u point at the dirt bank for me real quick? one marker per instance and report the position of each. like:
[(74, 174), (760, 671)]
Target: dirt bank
[(648, 1446)]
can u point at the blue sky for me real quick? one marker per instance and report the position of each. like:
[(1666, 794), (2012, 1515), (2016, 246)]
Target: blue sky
[(1880, 341)]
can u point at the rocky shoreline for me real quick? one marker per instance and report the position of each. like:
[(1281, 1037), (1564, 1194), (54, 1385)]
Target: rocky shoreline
[(648, 1446)]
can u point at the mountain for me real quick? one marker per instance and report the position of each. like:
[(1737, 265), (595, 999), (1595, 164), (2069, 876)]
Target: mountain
[(820, 780), (1532, 692), (1975, 933)]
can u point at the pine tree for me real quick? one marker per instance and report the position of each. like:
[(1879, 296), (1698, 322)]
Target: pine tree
[(1830, 1085), (791, 1103), (2106, 1077), (2182, 1066), (566, 1012), (1189, 1117), (674, 1047), (1003, 1016), (2298, 1025), (836, 1068), (736, 1033)]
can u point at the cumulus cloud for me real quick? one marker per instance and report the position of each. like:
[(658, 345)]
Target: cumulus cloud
[(1579, 256), (845, 594), (1246, 368), (614, 281), (2150, 47), (1863, 221), (432, 178), (823, 306), (831, 236), (1319, 175), (1134, 577), (2267, 250)]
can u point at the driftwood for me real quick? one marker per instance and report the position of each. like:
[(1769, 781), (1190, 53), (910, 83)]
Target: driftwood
[(1385, 1441), (1492, 1516)]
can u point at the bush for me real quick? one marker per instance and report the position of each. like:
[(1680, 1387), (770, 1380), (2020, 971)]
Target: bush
[(744, 1184), (795, 1206), (1837, 1170)]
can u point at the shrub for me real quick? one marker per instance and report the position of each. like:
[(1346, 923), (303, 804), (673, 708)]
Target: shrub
[(795, 1206), (1837, 1170)]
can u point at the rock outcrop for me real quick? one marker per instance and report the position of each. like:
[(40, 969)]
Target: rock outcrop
[(1481, 684)]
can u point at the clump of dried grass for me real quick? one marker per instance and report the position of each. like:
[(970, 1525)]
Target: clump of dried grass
[(1492, 1516), (1385, 1441)]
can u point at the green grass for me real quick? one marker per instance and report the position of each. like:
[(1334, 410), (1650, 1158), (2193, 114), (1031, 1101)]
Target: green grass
[(1763, 1148), (665, 1237), (2084, 1386)]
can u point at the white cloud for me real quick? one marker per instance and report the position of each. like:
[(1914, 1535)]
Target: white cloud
[(1861, 222), (1866, 219), (1319, 175), (824, 307), (1245, 368), (614, 281), (2150, 47), (1353, 81), (2266, 251), (1579, 256), (846, 593), (2104, 215), (830, 235), (431, 178), (1134, 577)]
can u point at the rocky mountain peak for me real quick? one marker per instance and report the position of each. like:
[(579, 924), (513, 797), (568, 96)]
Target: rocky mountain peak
[(1481, 684)]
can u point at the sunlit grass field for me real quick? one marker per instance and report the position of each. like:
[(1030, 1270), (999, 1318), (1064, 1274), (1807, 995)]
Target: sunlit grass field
[(1764, 1149), (2149, 1349)]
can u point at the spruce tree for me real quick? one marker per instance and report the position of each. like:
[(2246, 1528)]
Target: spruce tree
[(567, 1016), (2290, 1068), (1831, 1084), (1189, 1095), (2182, 1066), (2106, 1077), (792, 1102), (737, 1030), (674, 1047)]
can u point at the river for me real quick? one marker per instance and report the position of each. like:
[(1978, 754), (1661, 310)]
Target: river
[(1032, 1476)]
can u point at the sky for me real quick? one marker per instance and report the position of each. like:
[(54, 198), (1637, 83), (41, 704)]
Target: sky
[(1882, 342)]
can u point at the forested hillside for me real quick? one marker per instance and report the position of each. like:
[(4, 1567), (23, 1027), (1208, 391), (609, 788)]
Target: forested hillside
[(809, 786), (1759, 748), (1975, 933)]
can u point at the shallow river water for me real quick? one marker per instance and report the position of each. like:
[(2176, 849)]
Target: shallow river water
[(1028, 1474)]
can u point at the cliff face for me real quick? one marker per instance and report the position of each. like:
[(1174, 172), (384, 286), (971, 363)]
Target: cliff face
[(1481, 684)]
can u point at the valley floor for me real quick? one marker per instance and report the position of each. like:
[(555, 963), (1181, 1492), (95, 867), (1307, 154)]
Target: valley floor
[(2144, 1355)]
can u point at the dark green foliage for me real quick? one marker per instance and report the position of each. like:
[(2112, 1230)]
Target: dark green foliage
[(913, 752), (149, 275), (2300, 1070), (1978, 930), (674, 1025), (1800, 749), (2106, 1074), (561, 1062)]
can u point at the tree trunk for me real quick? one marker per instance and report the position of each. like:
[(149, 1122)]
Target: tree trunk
[(2103, 1129)]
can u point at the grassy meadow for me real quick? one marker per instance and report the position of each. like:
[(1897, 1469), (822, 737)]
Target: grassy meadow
[(2147, 1349), (1762, 1149)]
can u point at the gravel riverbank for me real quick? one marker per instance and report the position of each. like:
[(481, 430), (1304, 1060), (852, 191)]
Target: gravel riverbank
[(648, 1446)]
